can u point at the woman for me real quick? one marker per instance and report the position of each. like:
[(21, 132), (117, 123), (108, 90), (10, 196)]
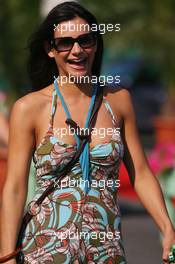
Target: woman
[(36, 120)]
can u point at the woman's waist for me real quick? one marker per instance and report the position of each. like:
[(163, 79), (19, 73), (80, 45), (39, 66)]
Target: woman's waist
[(111, 182)]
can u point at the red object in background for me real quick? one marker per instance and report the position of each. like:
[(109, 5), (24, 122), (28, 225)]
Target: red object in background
[(126, 190), (3, 167), (164, 129), (173, 201)]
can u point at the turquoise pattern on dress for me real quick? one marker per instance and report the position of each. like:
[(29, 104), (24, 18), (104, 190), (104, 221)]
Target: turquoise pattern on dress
[(70, 210), (84, 157)]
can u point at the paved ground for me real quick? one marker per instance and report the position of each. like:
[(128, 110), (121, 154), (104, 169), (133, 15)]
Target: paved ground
[(141, 237)]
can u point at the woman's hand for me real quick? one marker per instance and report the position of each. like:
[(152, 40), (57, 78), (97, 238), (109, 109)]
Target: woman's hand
[(167, 242), (11, 262)]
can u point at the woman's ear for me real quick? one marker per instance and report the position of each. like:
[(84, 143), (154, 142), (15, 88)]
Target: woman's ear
[(48, 49)]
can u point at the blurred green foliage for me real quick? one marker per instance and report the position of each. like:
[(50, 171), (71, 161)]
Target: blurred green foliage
[(18, 19), (147, 27)]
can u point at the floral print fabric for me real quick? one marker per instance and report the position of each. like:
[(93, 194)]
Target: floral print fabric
[(71, 226)]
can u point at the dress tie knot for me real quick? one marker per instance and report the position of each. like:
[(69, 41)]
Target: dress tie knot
[(82, 133)]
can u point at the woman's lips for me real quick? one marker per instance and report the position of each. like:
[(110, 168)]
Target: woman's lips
[(77, 64)]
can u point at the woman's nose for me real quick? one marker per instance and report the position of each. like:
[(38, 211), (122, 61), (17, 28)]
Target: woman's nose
[(76, 48)]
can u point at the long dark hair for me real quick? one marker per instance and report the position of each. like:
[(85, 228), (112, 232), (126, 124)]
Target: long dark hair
[(41, 67)]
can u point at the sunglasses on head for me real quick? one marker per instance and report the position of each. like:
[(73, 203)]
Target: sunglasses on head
[(85, 41)]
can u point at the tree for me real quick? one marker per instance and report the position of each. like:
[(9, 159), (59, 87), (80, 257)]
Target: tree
[(146, 26), (18, 19)]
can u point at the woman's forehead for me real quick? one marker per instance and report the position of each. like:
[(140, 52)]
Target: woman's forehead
[(72, 28)]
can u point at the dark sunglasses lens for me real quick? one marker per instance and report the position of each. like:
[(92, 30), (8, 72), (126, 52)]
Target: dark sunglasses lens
[(87, 40), (63, 44), (66, 43)]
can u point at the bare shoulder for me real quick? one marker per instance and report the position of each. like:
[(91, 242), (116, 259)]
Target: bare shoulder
[(27, 107), (120, 100), (24, 104)]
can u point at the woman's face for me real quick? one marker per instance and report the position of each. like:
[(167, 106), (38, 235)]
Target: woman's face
[(78, 61)]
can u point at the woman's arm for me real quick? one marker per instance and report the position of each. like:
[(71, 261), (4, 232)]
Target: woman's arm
[(4, 129), (141, 176), (21, 145)]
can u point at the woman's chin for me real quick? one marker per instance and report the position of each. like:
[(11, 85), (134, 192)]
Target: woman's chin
[(70, 75), (78, 74), (80, 78)]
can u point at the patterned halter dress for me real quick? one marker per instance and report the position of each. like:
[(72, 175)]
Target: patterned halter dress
[(72, 226)]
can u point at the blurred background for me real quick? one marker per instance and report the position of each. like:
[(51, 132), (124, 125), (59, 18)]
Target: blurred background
[(143, 54)]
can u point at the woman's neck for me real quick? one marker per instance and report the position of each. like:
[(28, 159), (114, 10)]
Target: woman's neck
[(75, 90)]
